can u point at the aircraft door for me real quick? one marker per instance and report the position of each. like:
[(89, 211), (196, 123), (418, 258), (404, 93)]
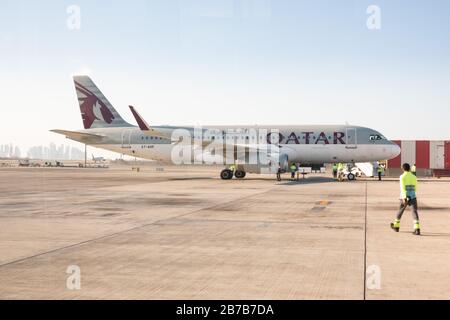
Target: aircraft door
[(440, 157), (351, 138)]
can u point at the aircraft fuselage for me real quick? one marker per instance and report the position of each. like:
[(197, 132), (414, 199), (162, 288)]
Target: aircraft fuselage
[(311, 144)]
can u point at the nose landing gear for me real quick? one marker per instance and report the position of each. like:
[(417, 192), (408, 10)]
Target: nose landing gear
[(239, 174)]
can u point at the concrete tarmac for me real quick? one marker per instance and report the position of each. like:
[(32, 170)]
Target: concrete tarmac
[(183, 233)]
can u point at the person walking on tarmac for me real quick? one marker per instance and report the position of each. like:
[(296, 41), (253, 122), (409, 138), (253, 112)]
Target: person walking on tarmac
[(380, 170), (293, 169), (414, 169), (340, 171), (279, 172), (408, 197), (335, 169)]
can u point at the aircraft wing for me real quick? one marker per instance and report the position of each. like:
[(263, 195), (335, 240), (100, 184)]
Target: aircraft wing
[(83, 137), (259, 148), (143, 125)]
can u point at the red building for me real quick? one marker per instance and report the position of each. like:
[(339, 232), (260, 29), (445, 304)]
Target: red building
[(431, 157)]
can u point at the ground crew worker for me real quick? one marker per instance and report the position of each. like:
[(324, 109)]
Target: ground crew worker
[(232, 168), (413, 169), (335, 170), (279, 172), (380, 170), (408, 189), (293, 169), (340, 169)]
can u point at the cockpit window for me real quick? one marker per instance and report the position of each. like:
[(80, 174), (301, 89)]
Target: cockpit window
[(374, 137)]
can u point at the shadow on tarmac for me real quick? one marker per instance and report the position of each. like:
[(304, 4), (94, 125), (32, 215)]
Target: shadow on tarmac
[(307, 181), (190, 178), (429, 234)]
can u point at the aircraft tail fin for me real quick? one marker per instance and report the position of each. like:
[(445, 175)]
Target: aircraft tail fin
[(96, 110)]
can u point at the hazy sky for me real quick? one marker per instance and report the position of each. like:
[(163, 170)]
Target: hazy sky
[(228, 62)]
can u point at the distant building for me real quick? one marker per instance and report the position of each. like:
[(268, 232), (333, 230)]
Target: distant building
[(432, 157), (50, 152), (53, 152), (10, 151)]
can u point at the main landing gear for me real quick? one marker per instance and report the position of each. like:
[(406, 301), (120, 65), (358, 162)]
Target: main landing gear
[(239, 174), (227, 174)]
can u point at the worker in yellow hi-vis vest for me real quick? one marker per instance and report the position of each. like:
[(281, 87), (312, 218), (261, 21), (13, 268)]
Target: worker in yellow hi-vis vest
[(380, 170), (293, 169), (414, 169), (340, 171), (334, 167), (408, 197)]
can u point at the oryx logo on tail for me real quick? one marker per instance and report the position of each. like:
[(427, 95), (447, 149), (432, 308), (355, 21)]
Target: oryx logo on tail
[(92, 108)]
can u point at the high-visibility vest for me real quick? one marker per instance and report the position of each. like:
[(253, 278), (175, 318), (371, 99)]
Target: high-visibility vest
[(232, 167), (334, 167), (340, 166), (408, 185), (293, 168), (380, 169), (413, 169)]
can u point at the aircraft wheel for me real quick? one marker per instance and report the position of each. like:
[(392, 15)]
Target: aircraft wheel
[(351, 177), (226, 174), (239, 174)]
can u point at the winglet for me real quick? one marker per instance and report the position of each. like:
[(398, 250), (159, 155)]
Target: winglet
[(140, 121), (143, 125)]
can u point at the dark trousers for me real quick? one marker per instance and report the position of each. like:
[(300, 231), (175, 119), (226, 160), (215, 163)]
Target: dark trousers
[(279, 176), (335, 174), (379, 176), (413, 204)]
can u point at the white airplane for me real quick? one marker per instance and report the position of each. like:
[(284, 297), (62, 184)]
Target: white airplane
[(97, 159), (254, 149)]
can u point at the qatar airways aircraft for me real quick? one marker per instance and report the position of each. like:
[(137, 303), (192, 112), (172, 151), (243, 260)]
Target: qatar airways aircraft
[(254, 149)]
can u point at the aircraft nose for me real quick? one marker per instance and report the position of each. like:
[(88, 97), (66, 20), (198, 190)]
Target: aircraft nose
[(395, 150)]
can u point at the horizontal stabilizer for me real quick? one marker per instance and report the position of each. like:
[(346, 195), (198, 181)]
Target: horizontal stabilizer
[(83, 137)]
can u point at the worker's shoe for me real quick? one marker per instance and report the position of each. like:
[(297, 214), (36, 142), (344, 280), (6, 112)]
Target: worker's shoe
[(396, 225), (416, 228)]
